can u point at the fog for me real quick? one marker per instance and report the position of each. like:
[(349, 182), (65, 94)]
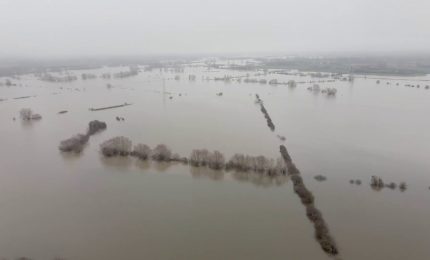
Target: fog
[(112, 27)]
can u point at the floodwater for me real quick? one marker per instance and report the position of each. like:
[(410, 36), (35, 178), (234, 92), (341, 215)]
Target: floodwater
[(87, 207)]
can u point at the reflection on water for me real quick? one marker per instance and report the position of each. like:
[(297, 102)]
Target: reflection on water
[(143, 164), (71, 156), (261, 180), (203, 172), (117, 162), (258, 179), (73, 201)]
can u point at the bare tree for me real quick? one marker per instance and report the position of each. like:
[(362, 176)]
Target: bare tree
[(96, 126), (74, 144), (142, 151), (199, 157), (161, 153), (216, 160), (26, 113), (291, 84), (119, 145)]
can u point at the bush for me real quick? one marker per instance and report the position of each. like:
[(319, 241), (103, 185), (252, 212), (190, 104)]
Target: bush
[(74, 144), (376, 182), (292, 169), (199, 157), (119, 145), (320, 177), (161, 153), (402, 186), (285, 154), (304, 194), (313, 213), (95, 126), (241, 162), (216, 160), (392, 185), (291, 84), (331, 91), (26, 113), (296, 179), (273, 82), (279, 168), (142, 151)]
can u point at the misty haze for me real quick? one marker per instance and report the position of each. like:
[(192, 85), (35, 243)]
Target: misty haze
[(214, 129)]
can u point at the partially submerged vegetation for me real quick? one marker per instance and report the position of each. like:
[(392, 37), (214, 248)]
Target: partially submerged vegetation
[(27, 114), (51, 78), (121, 146), (133, 71), (265, 113), (86, 76), (291, 83), (77, 142), (328, 91), (322, 233), (95, 126), (378, 184), (320, 177)]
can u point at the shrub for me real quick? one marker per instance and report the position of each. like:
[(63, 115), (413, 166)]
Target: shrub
[(304, 194), (273, 82), (216, 160), (392, 185), (376, 182), (119, 145), (292, 169), (285, 154), (280, 168), (296, 179), (74, 144), (313, 213), (291, 84), (199, 157), (320, 177), (237, 161), (331, 91), (95, 126), (26, 113), (260, 163), (142, 151), (161, 153)]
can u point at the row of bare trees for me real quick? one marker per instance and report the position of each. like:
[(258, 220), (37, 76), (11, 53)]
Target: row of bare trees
[(322, 233), (377, 184), (133, 71), (265, 113), (122, 146), (51, 78)]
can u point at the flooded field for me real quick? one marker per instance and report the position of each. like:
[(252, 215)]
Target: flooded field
[(86, 206)]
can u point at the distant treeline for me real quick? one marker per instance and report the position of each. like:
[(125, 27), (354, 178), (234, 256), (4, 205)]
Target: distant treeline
[(378, 65)]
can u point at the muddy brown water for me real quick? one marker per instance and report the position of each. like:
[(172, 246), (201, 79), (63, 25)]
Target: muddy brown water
[(87, 207)]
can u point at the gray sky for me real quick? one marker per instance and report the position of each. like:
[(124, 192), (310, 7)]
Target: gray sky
[(127, 27)]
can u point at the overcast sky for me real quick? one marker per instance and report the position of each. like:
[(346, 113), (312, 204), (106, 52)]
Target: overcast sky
[(127, 27)]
